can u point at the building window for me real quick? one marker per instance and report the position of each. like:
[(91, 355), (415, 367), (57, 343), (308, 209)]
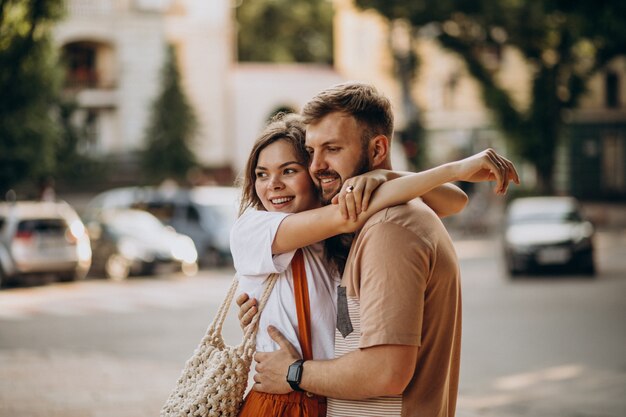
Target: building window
[(614, 163), (80, 58), (612, 90)]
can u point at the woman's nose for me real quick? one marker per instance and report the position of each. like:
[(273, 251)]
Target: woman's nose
[(275, 183)]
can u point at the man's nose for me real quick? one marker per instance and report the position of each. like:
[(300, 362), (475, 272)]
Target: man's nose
[(317, 163)]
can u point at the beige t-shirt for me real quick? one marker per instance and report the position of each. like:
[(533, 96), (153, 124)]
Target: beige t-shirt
[(402, 286)]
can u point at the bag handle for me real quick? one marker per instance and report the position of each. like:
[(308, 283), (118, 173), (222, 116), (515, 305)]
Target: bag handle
[(303, 308), (218, 322), (248, 345)]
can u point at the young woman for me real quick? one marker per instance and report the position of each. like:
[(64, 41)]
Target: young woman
[(277, 186)]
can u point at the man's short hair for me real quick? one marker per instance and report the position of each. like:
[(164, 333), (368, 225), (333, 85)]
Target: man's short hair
[(362, 101)]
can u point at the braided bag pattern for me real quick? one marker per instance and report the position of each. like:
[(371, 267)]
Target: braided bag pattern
[(214, 379)]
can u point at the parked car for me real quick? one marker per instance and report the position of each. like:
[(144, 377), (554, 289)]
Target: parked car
[(547, 232), (133, 242), (205, 214), (42, 238)]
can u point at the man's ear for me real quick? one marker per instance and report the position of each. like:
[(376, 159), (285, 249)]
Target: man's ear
[(379, 150)]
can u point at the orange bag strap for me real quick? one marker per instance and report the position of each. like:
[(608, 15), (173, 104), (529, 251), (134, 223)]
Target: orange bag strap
[(303, 309)]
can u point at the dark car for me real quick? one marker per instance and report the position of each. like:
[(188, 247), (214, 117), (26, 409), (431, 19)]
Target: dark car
[(548, 232), (133, 242)]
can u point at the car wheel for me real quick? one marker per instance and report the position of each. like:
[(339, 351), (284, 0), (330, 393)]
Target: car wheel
[(66, 277), (211, 259), (75, 275), (512, 270), (117, 267)]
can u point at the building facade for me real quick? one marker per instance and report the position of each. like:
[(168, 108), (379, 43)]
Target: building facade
[(115, 50)]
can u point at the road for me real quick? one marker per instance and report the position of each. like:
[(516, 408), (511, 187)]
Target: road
[(536, 346)]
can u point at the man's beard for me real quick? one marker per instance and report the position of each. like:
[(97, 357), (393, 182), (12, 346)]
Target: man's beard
[(362, 167)]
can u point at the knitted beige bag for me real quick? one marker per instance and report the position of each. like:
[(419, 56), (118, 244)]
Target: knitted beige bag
[(214, 379)]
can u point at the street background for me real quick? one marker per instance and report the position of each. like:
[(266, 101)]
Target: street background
[(541, 345), (102, 94)]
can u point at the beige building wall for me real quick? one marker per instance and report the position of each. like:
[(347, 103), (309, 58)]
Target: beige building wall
[(129, 38), (201, 32), (258, 90), (132, 36)]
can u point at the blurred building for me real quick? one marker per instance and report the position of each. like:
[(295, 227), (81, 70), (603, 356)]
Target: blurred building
[(591, 160), (115, 50)]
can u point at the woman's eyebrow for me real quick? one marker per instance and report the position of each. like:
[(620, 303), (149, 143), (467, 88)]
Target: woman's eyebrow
[(289, 163), (261, 168)]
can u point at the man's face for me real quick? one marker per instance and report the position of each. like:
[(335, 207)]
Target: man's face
[(337, 153)]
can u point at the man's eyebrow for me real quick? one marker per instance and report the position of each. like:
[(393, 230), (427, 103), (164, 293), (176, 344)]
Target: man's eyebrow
[(327, 143)]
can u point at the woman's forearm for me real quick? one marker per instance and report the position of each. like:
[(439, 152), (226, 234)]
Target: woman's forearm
[(446, 199), (311, 226)]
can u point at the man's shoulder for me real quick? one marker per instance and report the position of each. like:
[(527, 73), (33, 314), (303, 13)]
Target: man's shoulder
[(413, 214)]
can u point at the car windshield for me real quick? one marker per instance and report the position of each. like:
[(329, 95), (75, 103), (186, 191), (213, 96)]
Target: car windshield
[(219, 215), (42, 226), (544, 216), (136, 224)]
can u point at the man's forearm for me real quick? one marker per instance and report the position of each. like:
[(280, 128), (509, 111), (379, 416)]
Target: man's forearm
[(365, 373)]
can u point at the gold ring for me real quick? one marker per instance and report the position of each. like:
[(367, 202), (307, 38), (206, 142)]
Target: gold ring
[(349, 189)]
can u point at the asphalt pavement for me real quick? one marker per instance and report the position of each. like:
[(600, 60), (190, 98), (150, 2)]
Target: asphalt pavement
[(534, 347)]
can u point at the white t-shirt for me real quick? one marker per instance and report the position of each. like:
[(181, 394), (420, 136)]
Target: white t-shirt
[(251, 241)]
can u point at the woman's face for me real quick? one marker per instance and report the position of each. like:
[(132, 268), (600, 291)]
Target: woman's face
[(282, 183)]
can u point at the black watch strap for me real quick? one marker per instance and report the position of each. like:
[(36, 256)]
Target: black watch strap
[(294, 375)]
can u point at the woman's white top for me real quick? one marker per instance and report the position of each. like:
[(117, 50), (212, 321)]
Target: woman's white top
[(251, 241)]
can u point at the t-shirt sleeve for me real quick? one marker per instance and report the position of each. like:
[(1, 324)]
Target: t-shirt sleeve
[(395, 267), (251, 241)]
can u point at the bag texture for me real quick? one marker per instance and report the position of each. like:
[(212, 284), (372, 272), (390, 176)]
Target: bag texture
[(215, 378)]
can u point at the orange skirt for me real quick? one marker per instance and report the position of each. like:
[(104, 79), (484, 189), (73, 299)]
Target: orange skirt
[(294, 404)]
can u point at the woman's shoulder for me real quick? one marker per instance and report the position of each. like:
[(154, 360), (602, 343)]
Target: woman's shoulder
[(254, 217)]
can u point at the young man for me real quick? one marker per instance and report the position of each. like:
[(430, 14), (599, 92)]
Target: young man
[(398, 330)]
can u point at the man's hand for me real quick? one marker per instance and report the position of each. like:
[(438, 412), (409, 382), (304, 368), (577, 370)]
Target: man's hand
[(353, 202), (272, 367), (247, 309), (487, 166)]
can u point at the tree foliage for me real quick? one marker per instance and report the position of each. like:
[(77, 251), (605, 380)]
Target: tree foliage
[(30, 82), (564, 42), (285, 31), (171, 128)]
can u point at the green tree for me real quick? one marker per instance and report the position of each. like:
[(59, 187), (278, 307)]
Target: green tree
[(285, 31), (564, 42), (30, 82), (171, 128)]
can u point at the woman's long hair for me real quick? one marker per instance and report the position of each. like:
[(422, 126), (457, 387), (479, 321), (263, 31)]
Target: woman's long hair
[(284, 126), (290, 128)]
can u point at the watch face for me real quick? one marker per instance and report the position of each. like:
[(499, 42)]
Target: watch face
[(294, 372)]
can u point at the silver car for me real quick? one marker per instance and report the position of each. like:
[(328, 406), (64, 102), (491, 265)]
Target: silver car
[(42, 238), (133, 242), (205, 214), (547, 232)]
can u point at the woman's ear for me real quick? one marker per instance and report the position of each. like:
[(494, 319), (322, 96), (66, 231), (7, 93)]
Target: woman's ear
[(379, 150)]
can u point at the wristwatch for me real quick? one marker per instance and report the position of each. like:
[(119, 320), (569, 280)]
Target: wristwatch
[(294, 375)]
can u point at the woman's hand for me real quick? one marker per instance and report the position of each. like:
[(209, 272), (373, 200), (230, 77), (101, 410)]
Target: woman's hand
[(355, 194), (487, 166), (247, 310)]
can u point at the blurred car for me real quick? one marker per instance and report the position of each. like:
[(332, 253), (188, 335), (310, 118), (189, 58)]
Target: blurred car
[(133, 242), (42, 238), (547, 232), (205, 214)]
